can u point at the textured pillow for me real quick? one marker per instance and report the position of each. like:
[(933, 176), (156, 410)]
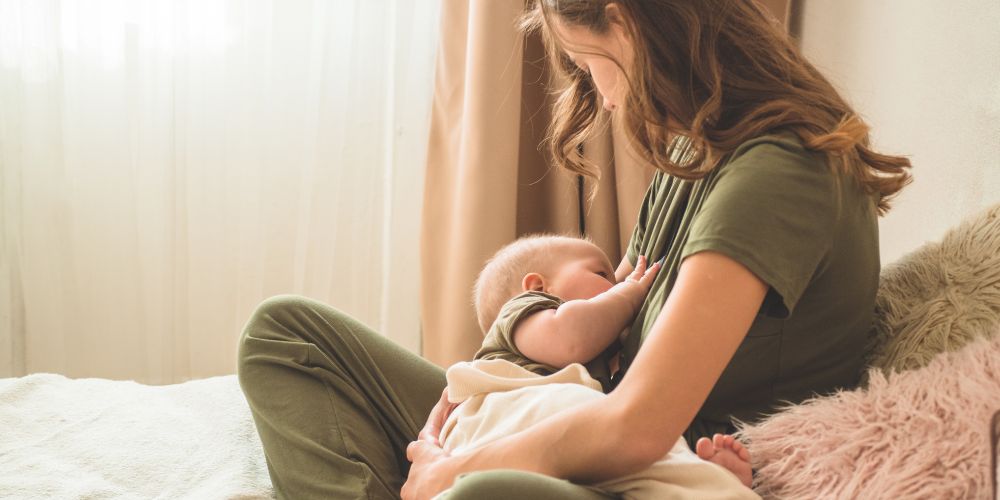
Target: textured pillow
[(939, 297), (922, 433)]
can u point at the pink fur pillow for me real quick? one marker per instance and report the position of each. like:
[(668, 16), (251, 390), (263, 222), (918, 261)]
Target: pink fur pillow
[(923, 433)]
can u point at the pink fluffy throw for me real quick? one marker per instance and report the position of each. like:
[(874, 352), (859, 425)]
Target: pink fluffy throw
[(923, 433)]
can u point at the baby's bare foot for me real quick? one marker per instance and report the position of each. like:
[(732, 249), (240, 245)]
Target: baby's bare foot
[(726, 451)]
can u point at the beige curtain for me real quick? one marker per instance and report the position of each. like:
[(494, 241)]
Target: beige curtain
[(488, 180)]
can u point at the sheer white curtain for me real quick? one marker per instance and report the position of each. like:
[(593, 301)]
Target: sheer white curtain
[(166, 165)]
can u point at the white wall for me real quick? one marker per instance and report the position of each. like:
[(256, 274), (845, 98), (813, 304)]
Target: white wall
[(926, 76)]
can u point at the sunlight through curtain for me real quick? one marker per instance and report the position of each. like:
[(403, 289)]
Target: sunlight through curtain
[(166, 165)]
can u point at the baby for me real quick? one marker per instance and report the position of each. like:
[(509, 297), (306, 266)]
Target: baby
[(548, 305), (545, 302)]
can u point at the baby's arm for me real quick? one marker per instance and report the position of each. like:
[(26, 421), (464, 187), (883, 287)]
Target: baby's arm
[(579, 330)]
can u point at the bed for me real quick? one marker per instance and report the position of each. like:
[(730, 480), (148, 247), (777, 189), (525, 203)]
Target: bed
[(100, 439), (924, 425)]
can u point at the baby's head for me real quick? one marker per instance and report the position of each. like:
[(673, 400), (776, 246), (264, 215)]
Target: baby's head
[(567, 267)]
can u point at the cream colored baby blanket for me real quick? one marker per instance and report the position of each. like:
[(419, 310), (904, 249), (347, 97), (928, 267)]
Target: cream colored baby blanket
[(500, 398)]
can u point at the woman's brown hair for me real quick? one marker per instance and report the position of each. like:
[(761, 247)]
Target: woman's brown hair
[(706, 76)]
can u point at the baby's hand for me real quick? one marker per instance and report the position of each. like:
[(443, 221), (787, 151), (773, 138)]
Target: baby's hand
[(636, 286)]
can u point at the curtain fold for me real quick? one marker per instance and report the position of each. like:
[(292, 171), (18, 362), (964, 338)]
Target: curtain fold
[(469, 195), (489, 181)]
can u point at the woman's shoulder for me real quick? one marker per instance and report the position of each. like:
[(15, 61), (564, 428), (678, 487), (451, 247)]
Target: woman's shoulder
[(779, 162), (783, 145)]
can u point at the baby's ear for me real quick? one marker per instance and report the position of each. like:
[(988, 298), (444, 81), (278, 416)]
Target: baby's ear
[(533, 282)]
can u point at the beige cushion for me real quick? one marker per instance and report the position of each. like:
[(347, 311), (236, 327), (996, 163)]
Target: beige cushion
[(939, 297)]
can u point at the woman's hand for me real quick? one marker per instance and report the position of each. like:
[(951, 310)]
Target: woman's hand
[(435, 421), (431, 473), (427, 478)]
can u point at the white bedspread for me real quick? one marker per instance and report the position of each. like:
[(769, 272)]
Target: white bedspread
[(96, 438)]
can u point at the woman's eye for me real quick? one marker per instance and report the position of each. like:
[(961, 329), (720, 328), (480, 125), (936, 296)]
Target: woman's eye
[(602, 274)]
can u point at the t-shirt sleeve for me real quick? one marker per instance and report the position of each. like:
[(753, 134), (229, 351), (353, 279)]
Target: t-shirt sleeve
[(638, 233), (512, 312), (773, 210)]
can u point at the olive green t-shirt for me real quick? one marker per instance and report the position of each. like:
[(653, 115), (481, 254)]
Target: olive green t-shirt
[(779, 210), (499, 341)]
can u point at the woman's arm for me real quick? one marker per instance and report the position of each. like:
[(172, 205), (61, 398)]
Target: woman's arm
[(710, 309)]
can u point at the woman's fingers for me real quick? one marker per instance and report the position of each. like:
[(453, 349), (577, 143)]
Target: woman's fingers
[(422, 448), (435, 421), (427, 476)]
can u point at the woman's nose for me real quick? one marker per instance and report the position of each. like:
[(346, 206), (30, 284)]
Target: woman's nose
[(608, 106)]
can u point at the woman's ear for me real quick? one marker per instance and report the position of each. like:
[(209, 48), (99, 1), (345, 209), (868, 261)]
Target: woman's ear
[(620, 29), (616, 18), (533, 282)]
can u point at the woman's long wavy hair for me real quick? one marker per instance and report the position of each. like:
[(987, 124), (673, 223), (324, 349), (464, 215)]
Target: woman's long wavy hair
[(706, 76)]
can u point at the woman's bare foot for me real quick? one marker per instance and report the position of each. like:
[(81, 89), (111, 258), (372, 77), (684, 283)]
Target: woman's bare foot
[(726, 451)]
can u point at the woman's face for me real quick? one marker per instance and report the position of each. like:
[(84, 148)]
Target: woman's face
[(596, 54)]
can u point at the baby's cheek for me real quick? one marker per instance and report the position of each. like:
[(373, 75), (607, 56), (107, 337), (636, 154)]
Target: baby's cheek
[(602, 287)]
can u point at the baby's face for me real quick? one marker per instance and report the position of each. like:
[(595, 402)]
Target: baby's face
[(582, 272)]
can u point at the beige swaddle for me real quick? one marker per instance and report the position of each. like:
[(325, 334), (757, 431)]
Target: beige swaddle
[(499, 398)]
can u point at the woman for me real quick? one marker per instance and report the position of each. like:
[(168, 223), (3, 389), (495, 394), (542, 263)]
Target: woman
[(764, 209)]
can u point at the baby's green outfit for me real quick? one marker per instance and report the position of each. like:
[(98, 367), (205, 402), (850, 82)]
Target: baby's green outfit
[(499, 341)]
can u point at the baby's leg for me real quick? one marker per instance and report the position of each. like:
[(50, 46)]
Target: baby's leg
[(726, 451)]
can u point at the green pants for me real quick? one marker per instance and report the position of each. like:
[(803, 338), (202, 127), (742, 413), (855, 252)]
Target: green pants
[(335, 405)]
